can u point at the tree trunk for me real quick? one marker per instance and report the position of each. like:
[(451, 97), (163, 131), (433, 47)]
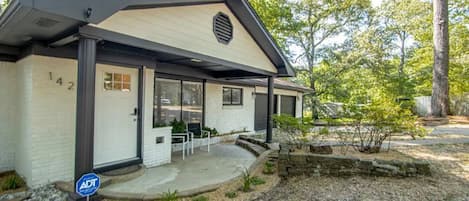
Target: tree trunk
[(440, 89), (403, 37)]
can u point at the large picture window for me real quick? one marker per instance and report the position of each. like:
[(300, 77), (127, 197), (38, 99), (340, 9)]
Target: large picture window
[(177, 99), (232, 96)]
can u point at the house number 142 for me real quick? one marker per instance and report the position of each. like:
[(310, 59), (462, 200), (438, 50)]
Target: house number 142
[(59, 81)]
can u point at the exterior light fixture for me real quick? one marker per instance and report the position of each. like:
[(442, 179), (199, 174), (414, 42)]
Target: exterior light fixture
[(196, 60)]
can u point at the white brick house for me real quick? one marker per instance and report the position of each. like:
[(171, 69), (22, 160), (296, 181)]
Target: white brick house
[(83, 85)]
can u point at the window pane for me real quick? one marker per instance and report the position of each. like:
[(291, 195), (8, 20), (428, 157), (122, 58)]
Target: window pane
[(126, 87), (108, 77), (192, 101), (167, 100), (226, 96), (126, 78), (236, 95), (287, 105), (107, 81), (117, 77), (117, 85)]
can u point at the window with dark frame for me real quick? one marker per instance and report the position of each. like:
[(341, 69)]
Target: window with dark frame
[(177, 99), (232, 96)]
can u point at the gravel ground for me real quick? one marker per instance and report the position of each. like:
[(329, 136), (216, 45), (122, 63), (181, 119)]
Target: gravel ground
[(450, 181), (44, 193)]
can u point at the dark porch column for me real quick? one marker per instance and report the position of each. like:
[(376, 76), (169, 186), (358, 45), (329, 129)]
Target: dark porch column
[(85, 106), (270, 108)]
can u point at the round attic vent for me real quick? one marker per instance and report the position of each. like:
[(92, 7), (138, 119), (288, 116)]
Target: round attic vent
[(222, 28)]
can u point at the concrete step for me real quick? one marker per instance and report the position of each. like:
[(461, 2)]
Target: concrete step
[(115, 176), (254, 141), (121, 175), (253, 148)]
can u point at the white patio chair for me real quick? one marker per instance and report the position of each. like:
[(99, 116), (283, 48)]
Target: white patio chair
[(184, 139), (196, 130)]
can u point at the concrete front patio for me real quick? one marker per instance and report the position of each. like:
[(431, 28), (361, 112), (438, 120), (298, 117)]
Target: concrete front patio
[(199, 172)]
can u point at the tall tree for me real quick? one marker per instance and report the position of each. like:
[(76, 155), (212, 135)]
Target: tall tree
[(319, 21), (440, 87), (402, 19)]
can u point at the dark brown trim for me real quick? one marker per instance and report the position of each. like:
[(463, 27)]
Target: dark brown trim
[(256, 28), (270, 109), (141, 103), (177, 77), (204, 101), (118, 165), (85, 107), (173, 4)]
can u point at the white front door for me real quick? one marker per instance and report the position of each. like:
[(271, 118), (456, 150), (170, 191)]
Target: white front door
[(115, 133)]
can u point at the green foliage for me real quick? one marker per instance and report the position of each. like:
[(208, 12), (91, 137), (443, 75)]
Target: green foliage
[(324, 131), (12, 182), (375, 122), (257, 181), (292, 129), (178, 126), (231, 194), (4, 5), (200, 198), (247, 181), (213, 131), (170, 196), (269, 168), (385, 49)]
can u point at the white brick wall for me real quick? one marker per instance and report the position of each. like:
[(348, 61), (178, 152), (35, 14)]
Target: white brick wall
[(23, 135), (46, 119), (157, 154), (154, 154), (229, 118), (7, 115), (53, 119)]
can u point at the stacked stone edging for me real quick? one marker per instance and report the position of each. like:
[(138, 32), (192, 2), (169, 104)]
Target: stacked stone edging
[(295, 164), (251, 147), (254, 141)]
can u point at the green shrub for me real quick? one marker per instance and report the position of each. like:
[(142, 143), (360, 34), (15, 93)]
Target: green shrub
[(257, 181), (375, 122), (170, 196), (12, 182), (324, 131), (231, 194), (213, 131), (178, 126), (268, 168), (200, 198), (247, 181)]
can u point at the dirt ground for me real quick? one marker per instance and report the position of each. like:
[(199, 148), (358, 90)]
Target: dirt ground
[(450, 181), (219, 195)]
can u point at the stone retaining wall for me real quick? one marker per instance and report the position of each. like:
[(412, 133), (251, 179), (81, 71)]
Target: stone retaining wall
[(295, 164)]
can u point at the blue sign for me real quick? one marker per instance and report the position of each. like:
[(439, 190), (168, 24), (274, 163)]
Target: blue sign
[(87, 185)]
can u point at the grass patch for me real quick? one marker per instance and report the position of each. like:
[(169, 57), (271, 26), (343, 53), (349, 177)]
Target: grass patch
[(257, 181), (10, 181), (269, 168), (231, 194), (170, 196), (200, 198)]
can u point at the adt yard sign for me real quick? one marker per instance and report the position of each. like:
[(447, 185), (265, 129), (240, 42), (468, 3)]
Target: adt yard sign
[(87, 185)]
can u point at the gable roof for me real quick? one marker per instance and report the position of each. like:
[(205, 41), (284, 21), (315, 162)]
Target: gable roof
[(50, 20)]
